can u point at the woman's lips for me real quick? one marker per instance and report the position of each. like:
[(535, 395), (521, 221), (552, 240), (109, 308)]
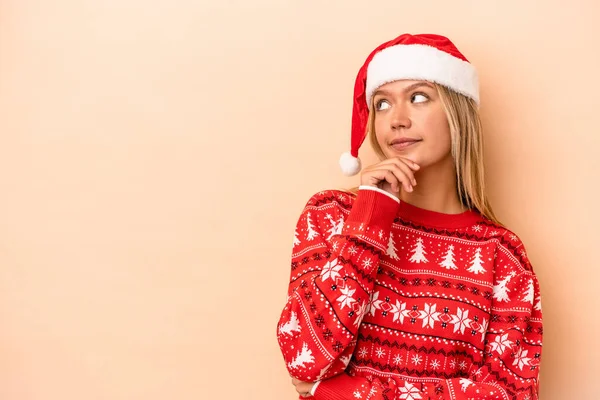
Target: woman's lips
[(403, 144)]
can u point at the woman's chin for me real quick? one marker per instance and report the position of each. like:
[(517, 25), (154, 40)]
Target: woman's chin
[(406, 154)]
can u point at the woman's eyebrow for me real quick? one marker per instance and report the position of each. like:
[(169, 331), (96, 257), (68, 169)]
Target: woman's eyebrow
[(406, 89)]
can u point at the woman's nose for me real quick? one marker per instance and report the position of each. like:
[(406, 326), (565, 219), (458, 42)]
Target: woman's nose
[(400, 118)]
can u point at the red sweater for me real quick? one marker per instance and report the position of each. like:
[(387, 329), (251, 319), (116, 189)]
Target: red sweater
[(390, 301)]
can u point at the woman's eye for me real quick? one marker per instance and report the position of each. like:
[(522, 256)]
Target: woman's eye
[(382, 105), (419, 98)]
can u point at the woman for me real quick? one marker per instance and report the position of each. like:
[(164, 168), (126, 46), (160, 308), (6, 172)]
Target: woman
[(409, 287)]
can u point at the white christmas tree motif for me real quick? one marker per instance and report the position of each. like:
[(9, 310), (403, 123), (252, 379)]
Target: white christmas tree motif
[(500, 344), (419, 252), (291, 326), (528, 298), (303, 357), (500, 290), (477, 263), (429, 315), (538, 305), (399, 311), (311, 233), (464, 384), (331, 270), (521, 358), (336, 227), (410, 392), (461, 320), (448, 261), (374, 303), (346, 298), (296, 240), (391, 250)]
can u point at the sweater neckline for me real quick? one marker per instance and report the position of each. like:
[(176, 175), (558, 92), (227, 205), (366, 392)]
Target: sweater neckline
[(409, 212)]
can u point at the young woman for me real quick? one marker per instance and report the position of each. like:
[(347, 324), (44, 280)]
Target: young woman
[(408, 287)]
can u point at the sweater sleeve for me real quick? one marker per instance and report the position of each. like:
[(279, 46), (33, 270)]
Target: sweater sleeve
[(334, 262), (513, 346)]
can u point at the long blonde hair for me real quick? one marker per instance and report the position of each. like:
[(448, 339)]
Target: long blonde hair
[(466, 134)]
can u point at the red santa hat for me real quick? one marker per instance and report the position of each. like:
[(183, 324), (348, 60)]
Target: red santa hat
[(427, 57)]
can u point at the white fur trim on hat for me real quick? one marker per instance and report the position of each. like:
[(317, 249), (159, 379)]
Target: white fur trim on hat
[(349, 164), (421, 62)]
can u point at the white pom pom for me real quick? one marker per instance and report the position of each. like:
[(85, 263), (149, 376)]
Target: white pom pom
[(350, 165)]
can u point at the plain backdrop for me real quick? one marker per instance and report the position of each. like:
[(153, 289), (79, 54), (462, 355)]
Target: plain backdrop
[(155, 156)]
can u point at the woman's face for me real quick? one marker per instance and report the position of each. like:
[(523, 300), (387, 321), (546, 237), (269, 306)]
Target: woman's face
[(410, 122)]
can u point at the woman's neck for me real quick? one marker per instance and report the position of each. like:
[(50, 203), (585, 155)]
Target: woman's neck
[(436, 189)]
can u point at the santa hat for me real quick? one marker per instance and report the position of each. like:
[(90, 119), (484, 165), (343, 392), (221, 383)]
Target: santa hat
[(427, 57)]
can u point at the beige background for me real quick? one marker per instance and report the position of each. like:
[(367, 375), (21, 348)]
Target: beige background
[(155, 155)]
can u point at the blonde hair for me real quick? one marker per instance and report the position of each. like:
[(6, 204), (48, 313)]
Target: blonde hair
[(466, 134)]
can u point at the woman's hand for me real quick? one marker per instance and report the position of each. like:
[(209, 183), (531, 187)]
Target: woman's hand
[(390, 175), (303, 388)]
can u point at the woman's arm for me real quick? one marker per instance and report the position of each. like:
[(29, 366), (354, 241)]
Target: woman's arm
[(334, 263)]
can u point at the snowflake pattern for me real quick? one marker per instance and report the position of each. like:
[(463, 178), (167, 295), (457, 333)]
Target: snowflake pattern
[(346, 298), (429, 315), (367, 262), (331, 270), (362, 353), (357, 394), (500, 343), (397, 359), (476, 228), (409, 392), (374, 303), (380, 352), (435, 364), (360, 313), (416, 359), (521, 358), (461, 320)]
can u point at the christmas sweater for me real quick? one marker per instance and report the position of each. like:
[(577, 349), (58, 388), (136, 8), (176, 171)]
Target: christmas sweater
[(390, 301)]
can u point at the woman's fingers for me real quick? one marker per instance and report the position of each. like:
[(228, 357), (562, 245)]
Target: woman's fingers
[(391, 174), (397, 176), (303, 388)]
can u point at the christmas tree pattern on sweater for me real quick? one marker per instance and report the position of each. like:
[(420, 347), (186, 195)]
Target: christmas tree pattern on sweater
[(387, 301)]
